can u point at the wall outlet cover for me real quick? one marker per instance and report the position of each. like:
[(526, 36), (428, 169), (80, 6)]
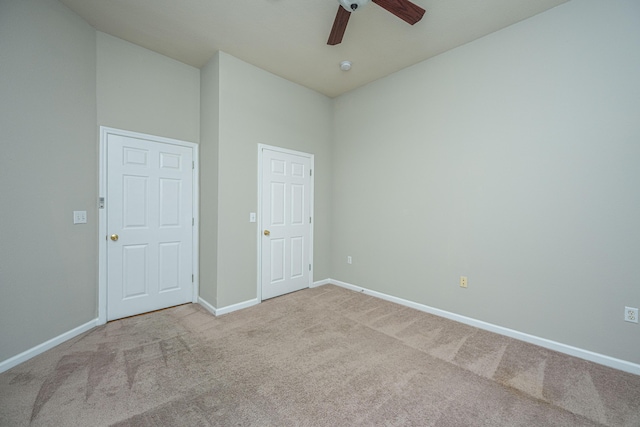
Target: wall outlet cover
[(631, 314)]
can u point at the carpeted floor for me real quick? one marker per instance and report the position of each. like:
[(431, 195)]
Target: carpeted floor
[(320, 357)]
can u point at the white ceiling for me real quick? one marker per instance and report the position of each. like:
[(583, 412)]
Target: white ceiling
[(288, 37)]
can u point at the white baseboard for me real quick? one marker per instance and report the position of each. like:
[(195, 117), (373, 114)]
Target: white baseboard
[(601, 359), (211, 309), (320, 283), (41, 348), (228, 309)]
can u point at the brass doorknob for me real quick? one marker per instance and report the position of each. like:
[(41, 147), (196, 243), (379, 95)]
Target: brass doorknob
[(267, 232), (114, 237)]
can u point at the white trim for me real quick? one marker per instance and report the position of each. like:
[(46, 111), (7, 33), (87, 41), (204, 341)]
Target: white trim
[(311, 157), (102, 213), (259, 226), (228, 309), (236, 307), (47, 345), (211, 309), (102, 228), (320, 283), (601, 359), (195, 230)]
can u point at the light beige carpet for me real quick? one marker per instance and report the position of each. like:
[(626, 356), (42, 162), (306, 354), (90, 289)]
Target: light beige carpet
[(319, 357)]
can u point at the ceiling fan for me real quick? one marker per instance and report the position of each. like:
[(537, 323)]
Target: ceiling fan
[(403, 9)]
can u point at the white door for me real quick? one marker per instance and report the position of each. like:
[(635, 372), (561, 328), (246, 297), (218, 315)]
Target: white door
[(286, 222), (149, 225)]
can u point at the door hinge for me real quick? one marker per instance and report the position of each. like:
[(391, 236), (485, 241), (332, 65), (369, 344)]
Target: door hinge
[(192, 278), (309, 220), (310, 172), (193, 222), (193, 164), (309, 267)]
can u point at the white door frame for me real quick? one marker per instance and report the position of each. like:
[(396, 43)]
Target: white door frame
[(102, 212), (261, 148)]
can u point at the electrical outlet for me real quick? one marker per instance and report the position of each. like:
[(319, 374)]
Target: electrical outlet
[(463, 281), (631, 314), (349, 260)]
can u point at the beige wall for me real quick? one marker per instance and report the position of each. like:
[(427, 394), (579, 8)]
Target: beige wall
[(48, 266), (512, 160), (143, 91), (259, 107), (209, 134)]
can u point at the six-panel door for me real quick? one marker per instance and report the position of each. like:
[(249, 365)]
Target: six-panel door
[(150, 211), (286, 222)]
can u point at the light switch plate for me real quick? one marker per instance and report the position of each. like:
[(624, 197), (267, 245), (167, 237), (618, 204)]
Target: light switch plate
[(79, 217), (252, 217)]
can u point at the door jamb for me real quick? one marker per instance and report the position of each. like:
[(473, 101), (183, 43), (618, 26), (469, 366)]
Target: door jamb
[(311, 157), (102, 212)]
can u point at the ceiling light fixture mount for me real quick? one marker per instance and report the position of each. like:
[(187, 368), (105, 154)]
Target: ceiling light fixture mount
[(352, 5), (345, 65)]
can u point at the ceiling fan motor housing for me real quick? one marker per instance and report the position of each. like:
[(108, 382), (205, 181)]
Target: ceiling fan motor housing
[(403, 9), (352, 5)]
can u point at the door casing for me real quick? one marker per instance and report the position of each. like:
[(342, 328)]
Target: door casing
[(102, 212), (261, 148)]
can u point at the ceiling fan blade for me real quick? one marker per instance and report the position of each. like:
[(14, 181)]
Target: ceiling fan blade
[(403, 9), (339, 25)]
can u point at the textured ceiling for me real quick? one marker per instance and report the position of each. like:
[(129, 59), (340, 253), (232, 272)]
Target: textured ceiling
[(288, 37)]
